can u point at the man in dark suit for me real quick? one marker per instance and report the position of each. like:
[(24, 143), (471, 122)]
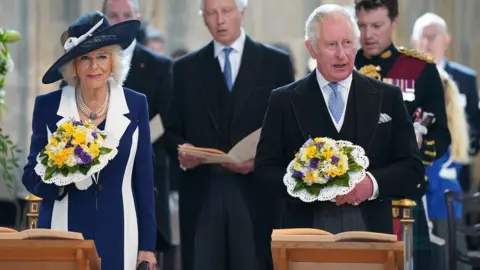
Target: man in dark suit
[(430, 35), (220, 96), (150, 74), (422, 91), (332, 101)]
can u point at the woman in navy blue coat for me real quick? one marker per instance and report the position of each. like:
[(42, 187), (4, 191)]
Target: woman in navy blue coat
[(116, 208)]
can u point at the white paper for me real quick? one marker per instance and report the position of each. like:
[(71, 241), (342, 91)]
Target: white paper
[(241, 152), (156, 128)]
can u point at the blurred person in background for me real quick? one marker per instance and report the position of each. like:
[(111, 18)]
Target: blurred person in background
[(220, 96), (430, 35), (422, 92), (150, 74), (179, 53)]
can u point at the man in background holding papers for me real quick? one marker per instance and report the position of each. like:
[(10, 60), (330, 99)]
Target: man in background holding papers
[(150, 74), (220, 96)]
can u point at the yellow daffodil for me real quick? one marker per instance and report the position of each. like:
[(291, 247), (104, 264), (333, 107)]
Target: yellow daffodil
[(311, 151), (53, 142), (79, 137), (94, 150), (68, 127), (327, 154)]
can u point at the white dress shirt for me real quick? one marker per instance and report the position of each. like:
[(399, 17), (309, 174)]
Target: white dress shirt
[(235, 55), (344, 88)]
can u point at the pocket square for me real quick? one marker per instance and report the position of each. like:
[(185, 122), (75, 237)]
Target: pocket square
[(384, 118)]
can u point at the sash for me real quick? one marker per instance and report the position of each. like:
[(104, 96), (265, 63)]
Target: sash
[(405, 71)]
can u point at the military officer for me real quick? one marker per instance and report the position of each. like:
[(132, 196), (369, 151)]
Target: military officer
[(422, 89)]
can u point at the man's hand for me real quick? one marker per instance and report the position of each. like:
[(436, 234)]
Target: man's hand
[(188, 161), (149, 257), (362, 192), (242, 168)]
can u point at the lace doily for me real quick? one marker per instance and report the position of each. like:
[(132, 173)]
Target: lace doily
[(329, 193), (81, 181)]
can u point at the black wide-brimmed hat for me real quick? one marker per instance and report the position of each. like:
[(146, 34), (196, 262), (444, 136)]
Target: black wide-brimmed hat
[(88, 33)]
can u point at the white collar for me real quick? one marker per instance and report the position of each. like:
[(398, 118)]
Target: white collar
[(237, 45), (322, 82)]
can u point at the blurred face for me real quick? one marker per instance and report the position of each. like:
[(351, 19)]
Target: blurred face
[(120, 10), (376, 30), (156, 46), (223, 19), (335, 49), (433, 40), (93, 69)]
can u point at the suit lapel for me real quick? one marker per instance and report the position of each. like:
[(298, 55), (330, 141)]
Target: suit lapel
[(245, 82), (309, 107), (68, 107), (117, 122), (208, 66), (368, 101)]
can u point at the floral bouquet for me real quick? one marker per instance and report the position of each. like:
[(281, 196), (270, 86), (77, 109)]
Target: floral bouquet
[(75, 151), (324, 168)]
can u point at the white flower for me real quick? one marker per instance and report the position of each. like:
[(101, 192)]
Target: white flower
[(90, 138), (344, 161), (71, 161)]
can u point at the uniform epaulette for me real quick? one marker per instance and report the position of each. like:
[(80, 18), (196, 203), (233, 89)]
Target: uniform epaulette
[(415, 54)]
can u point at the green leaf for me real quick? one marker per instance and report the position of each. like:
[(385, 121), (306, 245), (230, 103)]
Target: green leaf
[(354, 167), (84, 169), (64, 171), (313, 189), (342, 181), (104, 150), (71, 169), (299, 186), (45, 161), (95, 162), (49, 172)]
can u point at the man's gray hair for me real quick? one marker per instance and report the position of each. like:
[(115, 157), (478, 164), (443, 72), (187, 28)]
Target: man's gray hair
[(119, 68), (134, 3), (324, 11), (425, 20), (241, 4)]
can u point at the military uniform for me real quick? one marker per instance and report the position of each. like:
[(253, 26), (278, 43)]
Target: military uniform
[(422, 88)]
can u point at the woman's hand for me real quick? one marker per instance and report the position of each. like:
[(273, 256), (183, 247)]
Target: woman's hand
[(149, 257)]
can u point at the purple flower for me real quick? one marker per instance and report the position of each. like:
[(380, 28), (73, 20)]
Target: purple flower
[(319, 144), (335, 159), (314, 163), (308, 142), (84, 157), (77, 123), (69, 144), (94, 134), (297, 174)]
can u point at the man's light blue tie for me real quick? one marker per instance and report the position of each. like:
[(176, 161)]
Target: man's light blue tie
[(335, 102), (227, 68)]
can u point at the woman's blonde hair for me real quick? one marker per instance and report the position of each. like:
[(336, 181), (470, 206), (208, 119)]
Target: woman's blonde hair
[(119, 68), (456, 120)]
